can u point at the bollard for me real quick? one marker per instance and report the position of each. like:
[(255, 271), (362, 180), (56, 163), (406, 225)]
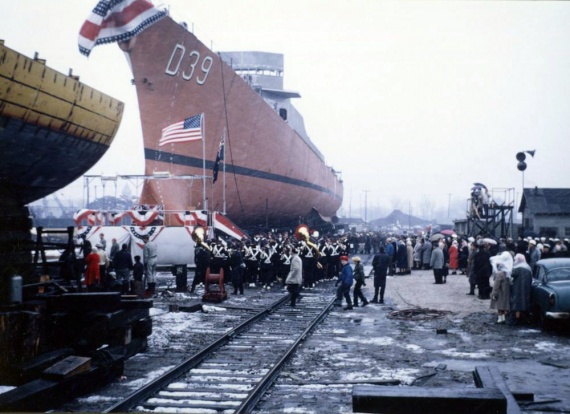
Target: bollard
[(181, 273), (15, 290)]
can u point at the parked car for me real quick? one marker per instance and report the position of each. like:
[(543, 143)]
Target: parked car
[(550, 294)]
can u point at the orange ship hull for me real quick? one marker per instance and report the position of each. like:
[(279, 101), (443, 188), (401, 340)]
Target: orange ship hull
[(271, 173)]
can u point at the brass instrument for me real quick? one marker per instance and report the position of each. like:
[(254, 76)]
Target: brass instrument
[(302, 233), (198, 237)]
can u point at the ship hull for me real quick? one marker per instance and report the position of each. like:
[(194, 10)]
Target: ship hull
[(53, 128), (271, 174)]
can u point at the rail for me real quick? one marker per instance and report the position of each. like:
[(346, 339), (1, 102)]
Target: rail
[(274, 315)]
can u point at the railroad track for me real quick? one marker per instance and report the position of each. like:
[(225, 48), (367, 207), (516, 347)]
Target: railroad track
[(232, 373)]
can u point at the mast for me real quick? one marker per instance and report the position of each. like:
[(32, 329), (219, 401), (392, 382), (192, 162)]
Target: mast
[(224, 163)]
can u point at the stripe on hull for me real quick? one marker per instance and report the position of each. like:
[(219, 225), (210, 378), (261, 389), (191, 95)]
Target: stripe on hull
[(161, 156)]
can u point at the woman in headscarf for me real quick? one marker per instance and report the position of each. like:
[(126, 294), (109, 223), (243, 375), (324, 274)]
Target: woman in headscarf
[(500, 295), (520, 289)]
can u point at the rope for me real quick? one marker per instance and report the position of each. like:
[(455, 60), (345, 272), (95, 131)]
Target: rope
[(228, 136)]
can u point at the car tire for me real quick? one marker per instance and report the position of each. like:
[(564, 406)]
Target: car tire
[(544, 323)]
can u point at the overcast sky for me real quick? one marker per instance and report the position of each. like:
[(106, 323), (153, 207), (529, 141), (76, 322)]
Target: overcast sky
[(410, 100)]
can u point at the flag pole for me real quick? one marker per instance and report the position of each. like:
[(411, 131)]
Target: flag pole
[(204, 205), (224, 161)]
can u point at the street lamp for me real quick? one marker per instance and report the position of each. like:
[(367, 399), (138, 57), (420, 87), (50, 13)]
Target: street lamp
[(521, 166)]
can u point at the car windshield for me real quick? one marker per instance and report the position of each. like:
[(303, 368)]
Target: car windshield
[(557, 275)]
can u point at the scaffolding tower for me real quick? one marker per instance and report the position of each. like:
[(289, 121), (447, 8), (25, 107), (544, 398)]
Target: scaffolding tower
[(494, 219)]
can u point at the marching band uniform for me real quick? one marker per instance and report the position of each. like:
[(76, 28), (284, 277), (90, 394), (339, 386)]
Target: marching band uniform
[(266, 267)]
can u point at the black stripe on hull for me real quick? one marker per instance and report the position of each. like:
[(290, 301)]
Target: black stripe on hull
[(168, 157)]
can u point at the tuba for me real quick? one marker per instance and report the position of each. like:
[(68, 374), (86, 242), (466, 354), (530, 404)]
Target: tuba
[(302, 233), (198, 237)]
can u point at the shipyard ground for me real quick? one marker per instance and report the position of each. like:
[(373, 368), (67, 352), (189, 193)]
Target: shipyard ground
[(439, 348), (366, 343)]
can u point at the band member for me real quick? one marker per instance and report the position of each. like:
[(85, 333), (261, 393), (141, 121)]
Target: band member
[(202, 260)]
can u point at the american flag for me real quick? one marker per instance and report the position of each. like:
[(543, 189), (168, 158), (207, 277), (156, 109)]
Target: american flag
[(116, 21), (188, 130)]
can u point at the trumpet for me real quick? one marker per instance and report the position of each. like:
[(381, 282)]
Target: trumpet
[(302, 233), (198, 237)]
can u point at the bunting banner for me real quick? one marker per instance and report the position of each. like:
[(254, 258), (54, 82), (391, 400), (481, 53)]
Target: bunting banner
[(137, 233), (117, 21), (224, 224), (92, 217), (114, 218), (83, 231), (144, 217), (193, 218), (186, 218)]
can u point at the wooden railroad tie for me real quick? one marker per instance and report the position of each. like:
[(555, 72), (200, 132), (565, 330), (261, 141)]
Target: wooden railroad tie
[(492, 395)]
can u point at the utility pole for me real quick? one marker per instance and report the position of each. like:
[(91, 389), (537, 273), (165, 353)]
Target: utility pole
[(448, 204), (366, 205)]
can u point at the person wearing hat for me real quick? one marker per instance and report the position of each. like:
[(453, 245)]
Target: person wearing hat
[(150, 252), (533, 254), (380, 263), (237, 266), (546, 252), (482, 269), (123, 264), (359, 279), (295, 276), (345, 280)]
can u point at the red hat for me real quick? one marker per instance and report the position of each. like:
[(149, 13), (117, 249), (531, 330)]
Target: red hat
[(344, 258)]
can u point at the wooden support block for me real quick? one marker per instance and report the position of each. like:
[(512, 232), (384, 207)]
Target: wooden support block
[(85, 302), (128, 303), (525, 396), (32, 368), (196, 307), (68, 367), (120, 336), (490, 377), (427, 400)]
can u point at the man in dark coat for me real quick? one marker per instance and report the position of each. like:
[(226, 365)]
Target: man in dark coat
[(483, 270), (202, 260), (237, 267), (345, 279), (123, 263), (380, 264), (426, 254)]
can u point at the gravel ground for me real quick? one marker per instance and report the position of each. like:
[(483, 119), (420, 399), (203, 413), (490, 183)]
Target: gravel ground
[(433, 349), (436, 348)]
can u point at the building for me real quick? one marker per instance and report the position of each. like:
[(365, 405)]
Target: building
[(545, 212)]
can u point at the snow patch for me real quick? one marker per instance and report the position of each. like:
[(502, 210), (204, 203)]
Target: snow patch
[(380, 341), (453, 352), (208, 308), (416, 349), (149, 377), (546, 346), (5, 388)]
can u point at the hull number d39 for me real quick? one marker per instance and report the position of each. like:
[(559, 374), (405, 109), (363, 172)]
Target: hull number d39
[(189, 64)]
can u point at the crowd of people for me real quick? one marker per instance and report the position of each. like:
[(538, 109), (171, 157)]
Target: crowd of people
[(281, 259)]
